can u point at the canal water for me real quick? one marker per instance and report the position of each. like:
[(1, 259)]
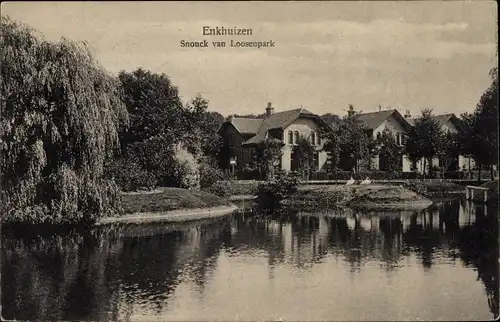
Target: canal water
[(437, 264)]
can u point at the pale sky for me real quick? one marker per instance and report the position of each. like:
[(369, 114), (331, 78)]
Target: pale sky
[(406, 55)]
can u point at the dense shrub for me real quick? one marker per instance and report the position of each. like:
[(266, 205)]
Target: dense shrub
[(210, 174), (186, 168), (248, 173), (221, 188), (245, 187), (271, 192), (130, 176)]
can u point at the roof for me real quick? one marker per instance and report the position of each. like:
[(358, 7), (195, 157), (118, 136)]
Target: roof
[(246, 125), (441, 119), (374, 119), (279, 120)]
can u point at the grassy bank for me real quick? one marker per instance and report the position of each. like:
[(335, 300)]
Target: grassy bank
[(169, 199), (435, 188), (355, 196)]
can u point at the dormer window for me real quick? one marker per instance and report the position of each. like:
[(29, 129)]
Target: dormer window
[(318, 140), (290, 137), (296, 137), (313, 138)]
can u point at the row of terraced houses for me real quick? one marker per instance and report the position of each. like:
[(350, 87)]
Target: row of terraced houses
[(242, 135)]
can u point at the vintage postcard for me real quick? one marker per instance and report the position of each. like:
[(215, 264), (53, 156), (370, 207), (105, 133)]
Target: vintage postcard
[(249, 161)]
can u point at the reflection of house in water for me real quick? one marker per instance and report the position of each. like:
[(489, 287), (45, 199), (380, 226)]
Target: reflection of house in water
[(466, 213)]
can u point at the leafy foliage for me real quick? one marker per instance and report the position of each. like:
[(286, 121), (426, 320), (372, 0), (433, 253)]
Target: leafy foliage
[(304, 152), (390, 153), (350, 141), (129, 175), (267, 155), (160, 122), (478, 134), (60, 118), (465, 135), (156, 122), (186, 168), (211, 141), (221, 188), (485, 124), (447, 150), (423, 138), (271, 192), (210, 174)]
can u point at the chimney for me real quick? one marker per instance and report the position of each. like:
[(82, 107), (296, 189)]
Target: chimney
[(350, 112), (407, 114), (269, 109)]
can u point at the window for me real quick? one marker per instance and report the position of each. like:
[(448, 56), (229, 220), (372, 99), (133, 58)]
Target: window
[(397, 139), (313, 138), (296, 137), (318, 140), (378, 135), (290, 137)]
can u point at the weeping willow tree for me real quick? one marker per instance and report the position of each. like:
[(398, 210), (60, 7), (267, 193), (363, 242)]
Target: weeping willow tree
[(60, 116)]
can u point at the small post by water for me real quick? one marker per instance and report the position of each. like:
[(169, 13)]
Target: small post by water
[(469, 193)]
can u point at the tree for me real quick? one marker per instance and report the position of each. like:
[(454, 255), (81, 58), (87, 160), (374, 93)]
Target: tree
[(423, 139), (208, 125), (485, 126), (355, 140), (304, 152), (466, 140), (447, 150), (268, 154), (389, 153), (159, 122), (332, 147), (60, 118), (154, 107)]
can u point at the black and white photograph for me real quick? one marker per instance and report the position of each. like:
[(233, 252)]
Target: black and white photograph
[(249, 161)]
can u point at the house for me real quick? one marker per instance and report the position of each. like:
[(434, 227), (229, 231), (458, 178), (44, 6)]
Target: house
[(447, 123), (242, 135), (392, 120)]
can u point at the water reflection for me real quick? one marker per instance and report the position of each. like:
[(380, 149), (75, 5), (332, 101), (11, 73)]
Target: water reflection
[(251, 267)]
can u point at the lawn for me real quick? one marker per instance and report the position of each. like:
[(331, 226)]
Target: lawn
[(170, 199)]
